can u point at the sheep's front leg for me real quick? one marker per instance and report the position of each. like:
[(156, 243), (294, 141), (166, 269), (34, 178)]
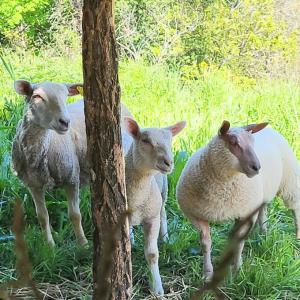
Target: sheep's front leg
[(262, 219), (163, 224), (237, 259), (38, 196), (72, 192), (206, 248), (131, 235), (151, 233)]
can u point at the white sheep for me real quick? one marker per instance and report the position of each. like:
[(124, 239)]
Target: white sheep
[(161, 180), (236, 172), (149, 154), (49, 148)]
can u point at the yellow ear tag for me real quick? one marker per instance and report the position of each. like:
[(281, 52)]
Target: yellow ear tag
[(80, 90)]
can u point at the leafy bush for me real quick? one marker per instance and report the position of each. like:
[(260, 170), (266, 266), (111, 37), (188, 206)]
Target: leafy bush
[(38, 23), (252, 37), (24, 19)]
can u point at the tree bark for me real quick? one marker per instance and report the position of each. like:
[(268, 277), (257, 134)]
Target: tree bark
[(112, 258)]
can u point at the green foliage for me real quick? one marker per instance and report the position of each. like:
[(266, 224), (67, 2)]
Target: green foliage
[(252, 38), (158, 96), (27, 18), (37, 23)]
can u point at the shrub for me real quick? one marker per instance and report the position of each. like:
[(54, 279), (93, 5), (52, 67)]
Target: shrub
[(23, 20), (252, 37)]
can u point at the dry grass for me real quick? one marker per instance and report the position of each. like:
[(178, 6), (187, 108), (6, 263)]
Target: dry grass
[(64, 290)]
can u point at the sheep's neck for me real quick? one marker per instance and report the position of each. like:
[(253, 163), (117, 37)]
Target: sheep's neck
[(35, 141), (138, 165), (137, 168), (217, 162), (32, 130), (139, 185)]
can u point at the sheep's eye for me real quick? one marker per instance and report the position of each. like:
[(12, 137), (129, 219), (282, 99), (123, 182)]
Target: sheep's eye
[(146, 141), (233, 141), (38, 97)]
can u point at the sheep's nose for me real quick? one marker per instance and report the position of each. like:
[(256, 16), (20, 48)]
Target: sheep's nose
[(64, 122), (168, 163), (255, 167)]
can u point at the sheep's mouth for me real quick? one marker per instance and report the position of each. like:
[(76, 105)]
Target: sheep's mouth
[(164, 170), (61, 130), (250, 173)]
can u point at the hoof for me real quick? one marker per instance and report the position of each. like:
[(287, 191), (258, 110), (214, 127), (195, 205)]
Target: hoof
[(236, 265), (263, 230), (157, 288), (208, 272), (158, 291), (166, 239), (82, 241), (208, 276), (51, 243)]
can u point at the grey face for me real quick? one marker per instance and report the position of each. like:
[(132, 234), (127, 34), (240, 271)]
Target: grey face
[(49, 109), (47, 103), (154, 145), (241, 144)]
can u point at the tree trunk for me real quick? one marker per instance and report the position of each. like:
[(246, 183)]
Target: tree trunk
[(112, 258)]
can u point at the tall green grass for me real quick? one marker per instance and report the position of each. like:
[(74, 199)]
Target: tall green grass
[(157, 96)]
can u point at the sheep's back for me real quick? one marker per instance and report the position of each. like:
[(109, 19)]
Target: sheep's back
[(280, 168), (267, 149)]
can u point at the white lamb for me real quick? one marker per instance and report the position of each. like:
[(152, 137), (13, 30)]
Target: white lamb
[(236, 172), (49, 149), (161, 180), (149, 154)]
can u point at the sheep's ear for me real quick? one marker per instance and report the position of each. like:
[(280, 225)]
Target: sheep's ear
[(75, 89), (24, 88), (224, 128), (132, 127), (175, 129), (253, 128)]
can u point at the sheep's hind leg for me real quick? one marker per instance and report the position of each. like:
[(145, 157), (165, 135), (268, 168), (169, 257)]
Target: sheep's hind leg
[(297, 220), (163, 224), (72, 192), (151, 233), (205, 240), (262, 219), (163, 216), (291, 199), (38, 196)]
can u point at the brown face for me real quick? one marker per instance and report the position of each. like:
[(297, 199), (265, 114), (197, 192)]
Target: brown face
[(240, 143)]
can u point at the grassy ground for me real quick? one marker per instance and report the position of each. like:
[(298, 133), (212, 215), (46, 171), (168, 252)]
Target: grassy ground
[(158, 97)]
